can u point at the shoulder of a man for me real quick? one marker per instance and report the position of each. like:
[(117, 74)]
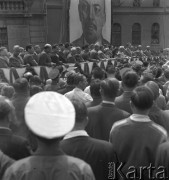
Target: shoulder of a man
[(79, 165)]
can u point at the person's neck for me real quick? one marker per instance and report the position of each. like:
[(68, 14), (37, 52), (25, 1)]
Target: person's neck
[(96, 97), (47, 150), (79, 87), (110, 76), (108, 99), (144, 113), (78, 128), (127, 89), (25, 93)]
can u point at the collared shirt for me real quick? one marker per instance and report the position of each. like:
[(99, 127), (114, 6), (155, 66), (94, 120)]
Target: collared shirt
[(108, 102), (77, 93), (76, 134), (140, 118)]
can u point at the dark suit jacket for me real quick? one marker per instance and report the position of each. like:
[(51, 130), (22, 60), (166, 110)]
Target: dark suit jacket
[(160, 117), (81, 41), (162, 157), (19, 101), (95, 102), (97, 153), (101, 119), (123, 102), (15, 147), (66, 89)]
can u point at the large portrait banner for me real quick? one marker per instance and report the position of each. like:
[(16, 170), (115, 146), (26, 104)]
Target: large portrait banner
[(90, 22)]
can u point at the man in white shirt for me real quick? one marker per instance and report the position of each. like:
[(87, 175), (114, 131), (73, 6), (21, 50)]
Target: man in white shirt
[(80, 83)]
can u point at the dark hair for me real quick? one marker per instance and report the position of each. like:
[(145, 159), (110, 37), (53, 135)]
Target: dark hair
[(71, 78), (29, 46), (35, 80), (67, 45), (146, 76), (154, 88), (7, 91), (78, 78), (21, 85), (130, 79), (142, 98), (110, 88), (54, 46), (95, 88), (111, 69), (5, 107), (158, 73), (86, 46), (80, 110), (98, 73), (35, 89), (166, 73)]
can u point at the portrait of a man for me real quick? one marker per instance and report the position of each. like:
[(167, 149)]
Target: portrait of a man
[(92, 15)]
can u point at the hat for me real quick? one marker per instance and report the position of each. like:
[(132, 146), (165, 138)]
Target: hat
[(49, 115), (54, 73)]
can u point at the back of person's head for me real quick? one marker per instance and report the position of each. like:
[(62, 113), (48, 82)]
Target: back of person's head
[(35, 80), (146, 76), (111, 70), (35, 89), (109, 88), (80, 110), (21, 85), (166, 73), (142, 98), (28, 47), (70, 78), (98, 73), (3, 84), (158, 72), (67, 45), (154, 88), (5, 108), (130, 79), (95, 88), (8, 91), (78, 78)]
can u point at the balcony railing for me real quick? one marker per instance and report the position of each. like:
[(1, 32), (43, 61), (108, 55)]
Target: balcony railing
[(12, 5)]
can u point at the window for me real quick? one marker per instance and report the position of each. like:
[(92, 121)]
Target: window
[(156, 3), (116, 34), (136, 34), (3, 37), (136, 3), (155, 33)]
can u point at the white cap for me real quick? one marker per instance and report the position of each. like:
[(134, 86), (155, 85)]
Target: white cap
[(49, 115)]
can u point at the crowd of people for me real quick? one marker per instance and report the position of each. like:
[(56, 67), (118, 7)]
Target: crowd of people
[(113, 124), (60, 54)]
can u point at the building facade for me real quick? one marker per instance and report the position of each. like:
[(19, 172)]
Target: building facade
[(22, 22), (144, 22)]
